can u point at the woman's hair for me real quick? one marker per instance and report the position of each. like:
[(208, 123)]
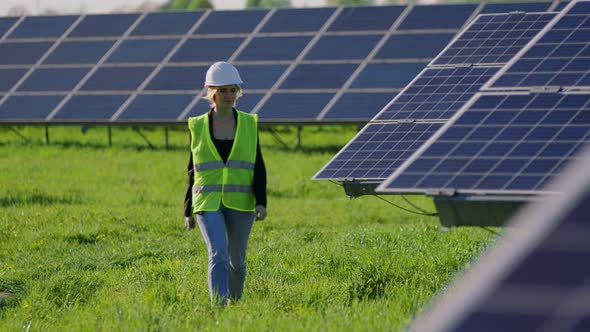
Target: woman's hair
[(211, 90)]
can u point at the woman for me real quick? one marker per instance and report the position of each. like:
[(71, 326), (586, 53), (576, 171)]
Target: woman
[(227, 182)]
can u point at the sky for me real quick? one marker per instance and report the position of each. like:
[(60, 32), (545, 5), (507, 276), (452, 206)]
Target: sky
[(35, 7)]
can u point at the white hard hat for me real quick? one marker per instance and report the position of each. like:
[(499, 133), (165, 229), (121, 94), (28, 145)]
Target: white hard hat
[(222, 73)]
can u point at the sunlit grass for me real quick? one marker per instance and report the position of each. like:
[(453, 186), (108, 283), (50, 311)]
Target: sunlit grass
[(92, 238)]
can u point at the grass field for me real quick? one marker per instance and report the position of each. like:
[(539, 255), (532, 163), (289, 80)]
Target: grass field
[(92, 238)]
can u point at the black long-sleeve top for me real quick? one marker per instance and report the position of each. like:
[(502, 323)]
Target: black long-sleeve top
[(224, 148)]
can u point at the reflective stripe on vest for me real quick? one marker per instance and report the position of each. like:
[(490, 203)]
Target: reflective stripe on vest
[(211, 188), (209, 165)]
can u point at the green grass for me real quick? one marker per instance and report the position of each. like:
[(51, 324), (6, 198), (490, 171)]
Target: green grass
[(92, 238)]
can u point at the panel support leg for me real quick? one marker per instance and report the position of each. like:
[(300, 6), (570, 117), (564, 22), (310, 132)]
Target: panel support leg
[(46, 134), (144, 137)]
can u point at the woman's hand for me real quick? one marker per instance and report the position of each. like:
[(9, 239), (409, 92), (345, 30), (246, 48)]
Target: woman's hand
[(189, 223), (260, 212)]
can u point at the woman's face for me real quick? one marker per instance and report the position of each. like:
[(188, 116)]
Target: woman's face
[(226, 96)]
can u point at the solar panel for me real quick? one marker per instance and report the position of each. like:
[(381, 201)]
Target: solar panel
[(53, 79), (298, 20), (152, 50), (358, 106), (155, 107), (22, 53), (37, 108), (438, 91), (559, 56), (421, 46), (265, 48), (242, 21), (283, 55), (387, 75), (492, 39), (167, 24), (499, 143), (360, 18), (535, 279), (78, 52), (377, 150), (84, 108), (43, 27), (108, 25), (438, 17)]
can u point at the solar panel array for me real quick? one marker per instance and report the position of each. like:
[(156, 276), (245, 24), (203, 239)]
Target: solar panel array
[(536, 278), (559, 57), (509, 142), (298, 64), (435, 95)]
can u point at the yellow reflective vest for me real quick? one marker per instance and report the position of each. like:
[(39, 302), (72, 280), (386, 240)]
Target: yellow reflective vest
[(216, 181)]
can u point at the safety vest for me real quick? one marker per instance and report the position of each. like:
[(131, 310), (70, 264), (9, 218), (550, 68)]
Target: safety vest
[(216, 181)]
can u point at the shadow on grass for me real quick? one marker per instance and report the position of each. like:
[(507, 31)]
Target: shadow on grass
[(38, 199)]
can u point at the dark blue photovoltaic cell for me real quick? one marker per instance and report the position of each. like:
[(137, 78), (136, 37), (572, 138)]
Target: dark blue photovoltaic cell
[(90, 107), (358, 106), (6, 23), (494, 38), (298, 20), (339, 47), (53, 79), (260, 76), (400, 46), (117, 78), (173, 23), (242, 21), (179, 78), (43, 26), (318, 76), (437, 93), (79, 52), (387, 75), (22, 53), (377, 151), (217, 49), (153, 50), (302, 106), (561, 57), (156, 107), (360, 18), (28, 107), (273, 48), (9, 77), (481, 152), (530, 7), (110, 25), (437, 17)]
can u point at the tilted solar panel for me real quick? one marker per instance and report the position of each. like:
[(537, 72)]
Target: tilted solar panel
[(377, 150), (535, 278), (493, 39), (559, 57), (439, 91), (507, 7), (499, 143)]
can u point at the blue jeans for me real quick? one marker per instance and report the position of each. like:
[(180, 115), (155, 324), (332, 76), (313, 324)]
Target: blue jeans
[(226, 233)]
